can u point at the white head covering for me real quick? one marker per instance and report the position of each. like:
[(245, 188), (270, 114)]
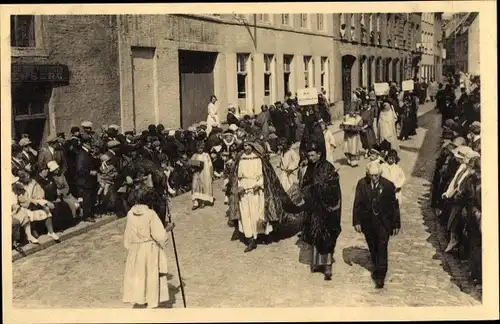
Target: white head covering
[(373, 168), (52, 165), (171, 133)]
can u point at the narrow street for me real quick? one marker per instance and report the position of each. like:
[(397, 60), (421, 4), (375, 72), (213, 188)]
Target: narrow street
[(87, 271)]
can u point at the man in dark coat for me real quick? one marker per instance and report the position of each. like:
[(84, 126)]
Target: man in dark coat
[(376, 214), (322, 195), (86, 178)]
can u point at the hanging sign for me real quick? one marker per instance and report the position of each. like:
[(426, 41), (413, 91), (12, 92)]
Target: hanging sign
[(307, 96), (381, 89), (408, 85)]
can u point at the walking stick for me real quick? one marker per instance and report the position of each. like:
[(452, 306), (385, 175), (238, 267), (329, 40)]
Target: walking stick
[(169, 219)]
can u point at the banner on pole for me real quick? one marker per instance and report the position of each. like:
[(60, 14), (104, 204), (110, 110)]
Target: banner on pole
[(307, 96), (381, 89), (408, 85)]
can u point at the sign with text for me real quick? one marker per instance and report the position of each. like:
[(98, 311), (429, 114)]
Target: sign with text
[(307, 96), (39, 73), (381, 89), (408, 85)]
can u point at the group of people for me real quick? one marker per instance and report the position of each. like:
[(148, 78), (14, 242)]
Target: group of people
[(456, 187)]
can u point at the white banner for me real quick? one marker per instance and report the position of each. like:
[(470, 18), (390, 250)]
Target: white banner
[(381, 89), (307, 96), (408, 85)]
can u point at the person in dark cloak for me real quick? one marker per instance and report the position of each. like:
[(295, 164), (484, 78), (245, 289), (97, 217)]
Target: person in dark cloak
[(367, 135), (232, 118), (313, 133), (406, 119), (278, 208), (321, 226), (324, 114)]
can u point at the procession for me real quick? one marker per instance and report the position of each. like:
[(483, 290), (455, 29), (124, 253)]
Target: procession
[(230, 170)]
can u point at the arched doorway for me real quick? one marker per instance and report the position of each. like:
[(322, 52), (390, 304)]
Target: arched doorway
[(402, 67), (371, 70), (378, 75), (347, 63), (363, 71), (395, 74), (387, 69)]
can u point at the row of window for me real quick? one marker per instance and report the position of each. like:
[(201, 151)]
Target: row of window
[(368, 27), (287, 20), (243, 70)]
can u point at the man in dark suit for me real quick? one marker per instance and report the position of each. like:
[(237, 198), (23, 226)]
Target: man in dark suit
[(86, 178), (376, 214)]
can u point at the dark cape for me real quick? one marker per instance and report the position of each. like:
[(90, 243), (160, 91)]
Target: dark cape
[(278, 208), (312, 134), (323, 204)]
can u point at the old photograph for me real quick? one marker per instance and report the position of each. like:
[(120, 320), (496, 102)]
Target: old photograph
[(235, 160)]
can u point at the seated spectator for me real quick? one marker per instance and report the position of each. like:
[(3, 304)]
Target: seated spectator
[(20, 218), (33, 198), (63, 191)]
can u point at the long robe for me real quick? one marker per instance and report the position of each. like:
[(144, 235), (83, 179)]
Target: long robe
[(202, 188), (396, 175), (288, 169), (278, 206), (212, 118), (262, 122), (387, 128), (352, 139), (145, 279), (329, 145), (323, 202), (368, 139)]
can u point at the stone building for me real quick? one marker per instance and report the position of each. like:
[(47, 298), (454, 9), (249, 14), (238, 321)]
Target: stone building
[(376, 47), (461, 41), (431, 66), (136, 70)]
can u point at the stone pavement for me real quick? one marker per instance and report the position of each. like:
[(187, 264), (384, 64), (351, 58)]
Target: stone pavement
[(87, 271)]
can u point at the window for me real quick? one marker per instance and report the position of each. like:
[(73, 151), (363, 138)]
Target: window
[(321, 21), (362, 26), (307, 71), (324, 75), (22, 31), (343, 25), (241, 70), (370, 31), (265, 17), (285, 19), (304, 21), (287, 71), (352, 22), (378, 37), (268, 68), (30, 101)]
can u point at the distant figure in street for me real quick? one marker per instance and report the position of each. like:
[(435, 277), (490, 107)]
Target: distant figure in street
[(376, 214), (145, 238)]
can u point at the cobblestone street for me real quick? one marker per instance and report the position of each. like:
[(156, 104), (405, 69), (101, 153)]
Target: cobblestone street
[(87, 271)]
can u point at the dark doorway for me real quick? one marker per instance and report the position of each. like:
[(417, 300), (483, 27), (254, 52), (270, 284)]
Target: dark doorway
[(196, 85), (347, 62)]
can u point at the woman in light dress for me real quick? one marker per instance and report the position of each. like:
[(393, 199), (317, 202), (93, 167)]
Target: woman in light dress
[(213, 115), (288, 166), (330, 144), (145, 238), (351, 124), (387, 126), (393, 172), (202, 188)]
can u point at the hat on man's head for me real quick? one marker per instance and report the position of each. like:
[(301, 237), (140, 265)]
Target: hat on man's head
[(459, 141), (52, 138), (171, 132), (24, 141), (52, 165), (475, 127), (233, 127), (203, 123), (191, 129), (86, 124), (113, 144), (114, 126)]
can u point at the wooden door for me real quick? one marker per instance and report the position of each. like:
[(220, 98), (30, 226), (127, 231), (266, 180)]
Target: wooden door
[(144, 87), (196, 85)]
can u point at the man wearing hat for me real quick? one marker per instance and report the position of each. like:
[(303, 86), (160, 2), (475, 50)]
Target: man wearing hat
[(29, 154), (63, 189), (232, 117), (475, 136), (376, 215), (52, 151), (86, 179)]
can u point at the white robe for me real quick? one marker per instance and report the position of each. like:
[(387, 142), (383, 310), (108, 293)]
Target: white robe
[(145, 279), (330, 145), (212, 118), (289, 161), (387, 128), (252, 205), (202, 186), (396, 175)]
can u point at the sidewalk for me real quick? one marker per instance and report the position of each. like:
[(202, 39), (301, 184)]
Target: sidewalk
[(84, 227)]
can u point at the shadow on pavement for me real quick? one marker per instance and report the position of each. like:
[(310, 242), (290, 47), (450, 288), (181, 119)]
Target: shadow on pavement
[(357, 255), (424, 169)]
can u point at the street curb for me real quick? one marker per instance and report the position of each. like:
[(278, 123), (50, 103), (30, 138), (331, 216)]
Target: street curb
[(68, 234)]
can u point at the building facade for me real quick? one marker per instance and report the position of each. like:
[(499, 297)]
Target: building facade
[(376, 47), (461, 39), (136, 70), (432, 58)]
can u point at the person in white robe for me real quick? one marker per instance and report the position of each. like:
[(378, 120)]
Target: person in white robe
[(394, 173), (202, 183), (288, 166), (330, 144), (352, 124), (387, 126), (145, 238), (213, 115)]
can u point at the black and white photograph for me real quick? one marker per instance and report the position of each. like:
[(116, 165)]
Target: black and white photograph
[(180, 159)]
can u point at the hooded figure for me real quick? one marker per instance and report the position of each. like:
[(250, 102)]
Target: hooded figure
[(257, 199)]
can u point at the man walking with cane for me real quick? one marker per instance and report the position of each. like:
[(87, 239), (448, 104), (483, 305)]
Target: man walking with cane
[(376, 214)]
